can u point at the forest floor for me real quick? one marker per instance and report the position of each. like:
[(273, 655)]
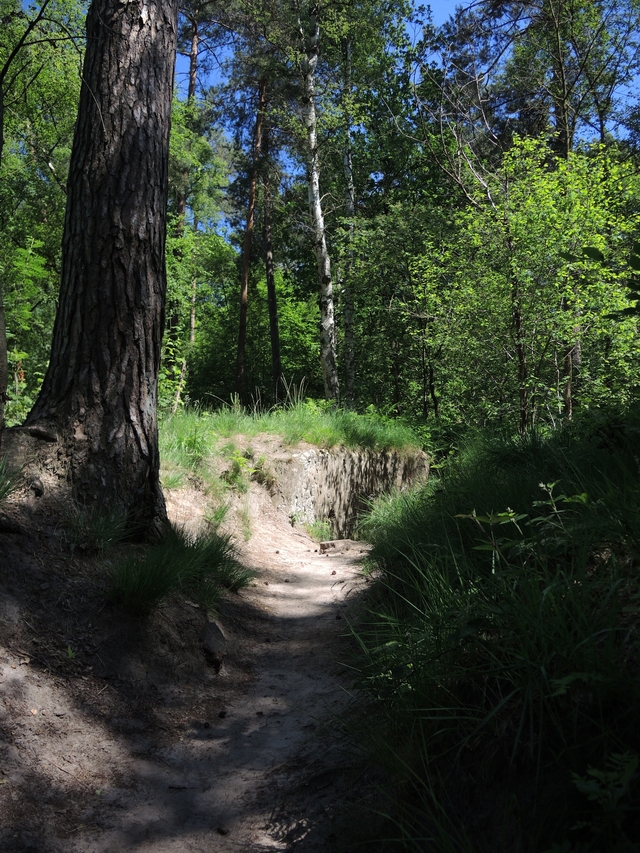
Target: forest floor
[(115, 734)]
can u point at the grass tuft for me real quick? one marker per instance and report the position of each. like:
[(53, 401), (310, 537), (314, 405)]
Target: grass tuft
[(319, 530), (201, 568), (95, 528), (8, 482)]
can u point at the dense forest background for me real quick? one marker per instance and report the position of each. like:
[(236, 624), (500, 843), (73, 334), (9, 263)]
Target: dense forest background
[(436, 223)]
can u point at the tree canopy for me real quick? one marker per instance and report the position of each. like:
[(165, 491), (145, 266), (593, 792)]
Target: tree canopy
[(412, 203)]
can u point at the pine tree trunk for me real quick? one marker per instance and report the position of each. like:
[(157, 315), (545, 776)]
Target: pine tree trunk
[(246, 245), (100, 390), (310, 48), (274, 332)]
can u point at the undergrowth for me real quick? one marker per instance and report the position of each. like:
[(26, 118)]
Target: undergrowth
[(501, 650), (201, 568), (8, 482), (94, 528)]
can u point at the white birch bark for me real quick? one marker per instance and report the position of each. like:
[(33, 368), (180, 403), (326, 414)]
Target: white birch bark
[(310, 49), (350, 210)]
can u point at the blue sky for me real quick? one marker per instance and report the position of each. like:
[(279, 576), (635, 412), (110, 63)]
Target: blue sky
[(442, 9)]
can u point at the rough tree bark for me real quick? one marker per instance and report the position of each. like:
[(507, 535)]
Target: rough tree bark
[(100, 390), (248, 236), (310, 44)]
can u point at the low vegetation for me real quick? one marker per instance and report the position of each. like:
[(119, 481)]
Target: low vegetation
[(202, 447), (201, 568), (501, 646), (8, 482), (95, 528), (189, 436), (198, 444)]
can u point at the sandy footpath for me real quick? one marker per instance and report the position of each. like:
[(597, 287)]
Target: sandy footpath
[(247, 759)]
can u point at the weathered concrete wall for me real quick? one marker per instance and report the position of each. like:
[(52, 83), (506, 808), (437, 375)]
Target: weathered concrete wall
[(335, 485)]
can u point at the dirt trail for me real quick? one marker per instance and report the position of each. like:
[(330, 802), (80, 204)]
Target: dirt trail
[(243, 760)]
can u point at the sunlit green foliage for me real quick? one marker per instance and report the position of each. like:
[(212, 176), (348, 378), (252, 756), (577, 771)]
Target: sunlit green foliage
[(40, 106)]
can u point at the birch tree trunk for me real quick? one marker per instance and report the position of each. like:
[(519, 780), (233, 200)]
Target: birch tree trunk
[(100, 391), (310, 45), (350, 211)]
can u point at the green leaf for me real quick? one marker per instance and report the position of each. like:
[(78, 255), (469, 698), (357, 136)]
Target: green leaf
[(567, 256)]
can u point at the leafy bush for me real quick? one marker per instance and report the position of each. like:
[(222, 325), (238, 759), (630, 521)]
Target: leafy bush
[(201, 568), (502, 641)]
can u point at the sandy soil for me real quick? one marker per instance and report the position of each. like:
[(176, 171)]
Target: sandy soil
[(115, 734)]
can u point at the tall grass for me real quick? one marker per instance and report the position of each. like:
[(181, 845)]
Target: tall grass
[(8, 482), (191, 433), (501, 648), (201, 568), (94, 528)]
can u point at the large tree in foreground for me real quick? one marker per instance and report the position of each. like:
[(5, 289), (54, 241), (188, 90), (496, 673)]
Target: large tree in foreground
[(99, 393)]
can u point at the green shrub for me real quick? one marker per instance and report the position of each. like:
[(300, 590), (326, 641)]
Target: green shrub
[(503, 637)]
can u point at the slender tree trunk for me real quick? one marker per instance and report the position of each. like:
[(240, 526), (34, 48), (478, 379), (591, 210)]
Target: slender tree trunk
[(425, 387), (182, 212), (432, 391), (310, 49), (193, 60), (248, 235), (100, 390), (561, 88), (395, 373), (192, 338), (521, 354), (274, 332), (191, 93), (350, 210)]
